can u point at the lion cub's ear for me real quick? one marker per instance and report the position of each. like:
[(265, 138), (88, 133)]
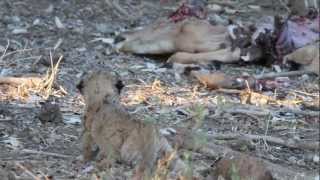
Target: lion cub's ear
[(119, 85), (80, 86)]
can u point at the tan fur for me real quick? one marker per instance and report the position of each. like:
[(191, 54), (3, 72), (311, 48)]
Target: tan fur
[(214, 80), (118, 135), (307, 56), (190, 41), (301, 7), (242, 167)]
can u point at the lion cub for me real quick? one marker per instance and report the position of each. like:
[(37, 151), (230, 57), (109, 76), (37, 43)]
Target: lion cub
[(119, 136)]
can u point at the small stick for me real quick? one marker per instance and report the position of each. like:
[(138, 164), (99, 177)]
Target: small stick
[(117, 7), (223, 3), (5, 51), (306, 93), (45, 153), (300, 112), (27, 171), (282, 74), (229, 91)]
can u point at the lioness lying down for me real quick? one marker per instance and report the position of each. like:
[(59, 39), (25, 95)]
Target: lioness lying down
[(190, 41), (119, 136)]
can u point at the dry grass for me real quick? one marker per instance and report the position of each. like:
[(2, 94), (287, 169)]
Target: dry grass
[(163, 165), (21, 87), (46, 88)]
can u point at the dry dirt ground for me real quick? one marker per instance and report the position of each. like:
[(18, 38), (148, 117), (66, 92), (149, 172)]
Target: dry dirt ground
[(31, 29)]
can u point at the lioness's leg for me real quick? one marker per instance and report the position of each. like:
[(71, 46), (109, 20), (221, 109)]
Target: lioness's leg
[(223, 55)]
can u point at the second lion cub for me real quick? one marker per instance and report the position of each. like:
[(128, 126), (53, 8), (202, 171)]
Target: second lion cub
[(119, 136)]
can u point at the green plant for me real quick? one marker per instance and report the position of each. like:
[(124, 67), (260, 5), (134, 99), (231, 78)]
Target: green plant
[(199, 140), (188, 172), (198, 113), (234, 172)]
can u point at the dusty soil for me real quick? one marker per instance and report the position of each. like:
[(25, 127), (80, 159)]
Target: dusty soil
[(29, 31)]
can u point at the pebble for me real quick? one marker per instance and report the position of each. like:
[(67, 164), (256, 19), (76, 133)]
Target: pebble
[(305, 77), (292, 160), (36, 22), (316, 159), (151, 66)]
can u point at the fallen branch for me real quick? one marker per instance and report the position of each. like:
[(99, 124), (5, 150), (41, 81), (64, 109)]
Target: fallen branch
[(314, 146), (253, 110), (257, 112)]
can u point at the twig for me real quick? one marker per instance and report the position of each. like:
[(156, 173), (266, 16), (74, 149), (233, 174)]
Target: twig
[(43, 175), (5, 50), (30, 151), (266, 112), (27, 171), (257, 112), (266, 132), (22, 51), (229, 91), (282, 74), (116, 5), (6, 120), (223, 3), (27, 58), (300, 112), (306, 93)]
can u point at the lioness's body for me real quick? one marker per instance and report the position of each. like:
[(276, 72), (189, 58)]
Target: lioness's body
[(190, 41)]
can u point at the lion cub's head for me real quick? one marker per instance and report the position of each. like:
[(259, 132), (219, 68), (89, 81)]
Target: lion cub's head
[(99, 86)]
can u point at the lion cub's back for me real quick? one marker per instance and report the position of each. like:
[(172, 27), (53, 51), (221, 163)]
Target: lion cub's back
[(132, 139)]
